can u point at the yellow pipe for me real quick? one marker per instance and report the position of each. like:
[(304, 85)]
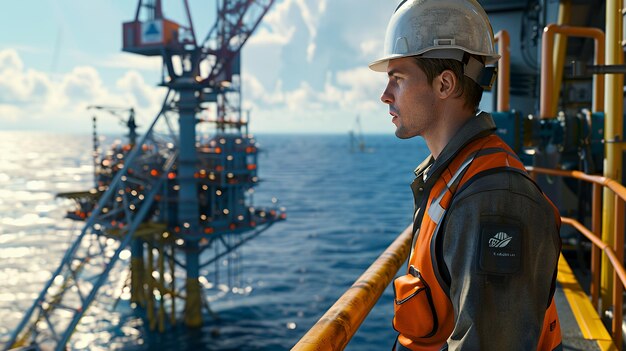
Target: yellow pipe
[(547, 103), (504, 70), (618, 291), (560, 51), (335, 329), (613, 127), (596, 257)]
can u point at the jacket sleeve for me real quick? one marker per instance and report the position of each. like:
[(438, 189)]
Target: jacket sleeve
[(500, 247)]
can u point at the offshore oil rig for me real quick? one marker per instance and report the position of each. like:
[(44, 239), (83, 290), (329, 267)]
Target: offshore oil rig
[(177, 200)]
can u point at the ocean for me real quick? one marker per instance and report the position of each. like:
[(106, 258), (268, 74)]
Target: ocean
[(343, 207)]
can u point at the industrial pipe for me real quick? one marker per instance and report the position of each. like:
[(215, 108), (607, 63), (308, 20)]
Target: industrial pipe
[(548, 105), (613, 131), (504, 70)]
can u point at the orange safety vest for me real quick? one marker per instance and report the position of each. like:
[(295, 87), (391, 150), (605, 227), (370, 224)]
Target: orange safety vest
[(418, 293)]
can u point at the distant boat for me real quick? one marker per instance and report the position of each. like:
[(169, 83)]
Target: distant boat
[(356, 137)]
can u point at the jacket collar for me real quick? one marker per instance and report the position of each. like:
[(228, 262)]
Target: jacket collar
[(476, 127)]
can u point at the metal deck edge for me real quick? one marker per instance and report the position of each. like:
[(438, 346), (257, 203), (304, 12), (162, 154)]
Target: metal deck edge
[(586, 316)]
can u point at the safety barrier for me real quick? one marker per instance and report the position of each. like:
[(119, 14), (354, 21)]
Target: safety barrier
[(336, 327), (614, 251)]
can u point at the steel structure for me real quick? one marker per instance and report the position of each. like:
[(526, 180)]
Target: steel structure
[(170, 195), (120, 113)]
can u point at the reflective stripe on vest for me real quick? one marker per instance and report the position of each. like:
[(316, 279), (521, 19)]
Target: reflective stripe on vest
[(435, 211), (485, 154)]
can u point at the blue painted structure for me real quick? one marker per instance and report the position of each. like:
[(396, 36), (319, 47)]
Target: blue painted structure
[(171, 195)]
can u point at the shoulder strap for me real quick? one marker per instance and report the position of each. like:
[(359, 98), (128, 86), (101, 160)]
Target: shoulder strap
[(436, 244)]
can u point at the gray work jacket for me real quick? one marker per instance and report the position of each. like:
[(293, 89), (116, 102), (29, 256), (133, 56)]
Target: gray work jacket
[(495, 308)]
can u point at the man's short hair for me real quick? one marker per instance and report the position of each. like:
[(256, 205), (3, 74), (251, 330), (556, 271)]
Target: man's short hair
[(469, 89)]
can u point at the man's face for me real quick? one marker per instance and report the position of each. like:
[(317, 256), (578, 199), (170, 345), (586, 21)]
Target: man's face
[(410, 98)]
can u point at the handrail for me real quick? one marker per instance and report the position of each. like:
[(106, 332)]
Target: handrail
[(337, 326), (503, 40), (615, 254), (610, 253), (616, 187), (547, 106)]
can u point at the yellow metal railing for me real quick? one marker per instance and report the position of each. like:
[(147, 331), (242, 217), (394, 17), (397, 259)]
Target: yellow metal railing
[(614, 251), (337, 326)]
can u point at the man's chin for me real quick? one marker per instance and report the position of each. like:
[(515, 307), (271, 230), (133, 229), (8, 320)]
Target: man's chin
[(402, 134)]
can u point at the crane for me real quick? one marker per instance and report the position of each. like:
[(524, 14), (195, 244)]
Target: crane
[(175, 193), (121, 113)]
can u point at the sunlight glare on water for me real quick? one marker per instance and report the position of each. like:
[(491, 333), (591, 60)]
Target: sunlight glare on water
[(343, 208)]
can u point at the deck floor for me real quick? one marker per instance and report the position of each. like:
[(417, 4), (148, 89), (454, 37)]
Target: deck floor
[(581, 327)]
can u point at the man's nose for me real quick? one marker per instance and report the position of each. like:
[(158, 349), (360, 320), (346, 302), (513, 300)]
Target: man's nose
[(386, 97)]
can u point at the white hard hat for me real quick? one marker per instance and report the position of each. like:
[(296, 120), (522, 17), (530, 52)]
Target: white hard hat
[(440, 29)]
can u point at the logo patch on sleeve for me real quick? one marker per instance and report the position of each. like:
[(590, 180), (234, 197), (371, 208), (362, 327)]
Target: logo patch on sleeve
[(500, 249)]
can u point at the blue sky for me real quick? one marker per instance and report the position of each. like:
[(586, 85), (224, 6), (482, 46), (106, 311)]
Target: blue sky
[(304, 70)]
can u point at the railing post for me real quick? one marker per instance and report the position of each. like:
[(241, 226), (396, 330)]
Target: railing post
[(596, 255), (613, 127), (618, 289)]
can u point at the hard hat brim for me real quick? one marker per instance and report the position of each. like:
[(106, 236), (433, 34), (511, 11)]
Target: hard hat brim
[(381, 64)]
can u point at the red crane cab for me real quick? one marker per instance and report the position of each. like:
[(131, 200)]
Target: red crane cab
[(150, 37)]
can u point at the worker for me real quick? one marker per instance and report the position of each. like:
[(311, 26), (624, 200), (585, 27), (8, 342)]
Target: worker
[(483, 262)]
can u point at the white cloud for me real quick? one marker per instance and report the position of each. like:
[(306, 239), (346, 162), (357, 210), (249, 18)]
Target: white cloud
[(33, 98), (132, 61), (313, 75), (263, 37), (142, 94), (253, 89), (9, 112), (310, 52), (83, 84), (332, 109), (10, 60), (279, 25), (321, 6), (364, 87), (357, 88), (304, 66), (18, 86), (311, 20), (371, 48)]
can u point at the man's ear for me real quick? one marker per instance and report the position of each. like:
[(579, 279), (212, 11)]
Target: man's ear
[(446, 84)]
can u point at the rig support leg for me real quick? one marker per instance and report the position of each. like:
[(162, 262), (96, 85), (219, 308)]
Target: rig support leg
[(137, 274), (193, 304), (188, 208)]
